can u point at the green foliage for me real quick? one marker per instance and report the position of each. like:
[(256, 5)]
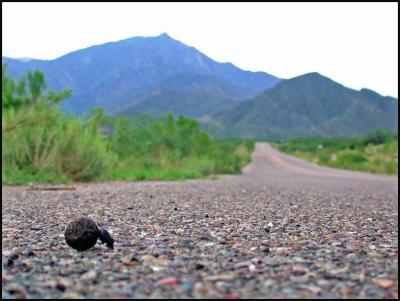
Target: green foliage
[(38, 142), (28, 91), (378, 137), (172, 148), (350, 157), (81, 153), (376, 152), (42, 144)]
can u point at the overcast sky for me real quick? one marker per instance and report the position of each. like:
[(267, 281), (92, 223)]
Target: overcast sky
[(355, 44)]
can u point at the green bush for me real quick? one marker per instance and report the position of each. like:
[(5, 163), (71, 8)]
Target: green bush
[(175, 144), (60, 146), (81, 154), (349, 157), (375, 152), (39, 141), (202, 165), (324, 158)]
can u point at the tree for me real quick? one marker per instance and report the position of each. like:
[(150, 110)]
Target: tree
[(20, 99)]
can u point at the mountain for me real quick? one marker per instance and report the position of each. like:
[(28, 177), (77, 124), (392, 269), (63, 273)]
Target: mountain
[(156, 75), (188, 94), (307, 105), (117, 75)]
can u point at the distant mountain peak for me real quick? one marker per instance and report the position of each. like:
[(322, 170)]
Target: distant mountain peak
[(311, 75), (164, 35), (312, 78), (314, 73)]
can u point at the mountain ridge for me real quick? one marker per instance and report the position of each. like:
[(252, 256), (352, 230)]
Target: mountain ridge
[(306, 105), (122, 73), (157, 75)]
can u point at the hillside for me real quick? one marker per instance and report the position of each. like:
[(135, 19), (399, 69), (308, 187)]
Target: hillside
[(188, 94), (307, 105)]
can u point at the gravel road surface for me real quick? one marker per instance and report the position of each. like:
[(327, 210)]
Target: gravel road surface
[(285, 228)]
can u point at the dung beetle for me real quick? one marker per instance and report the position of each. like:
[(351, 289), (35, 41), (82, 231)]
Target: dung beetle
[(83, 233), (106, 238)]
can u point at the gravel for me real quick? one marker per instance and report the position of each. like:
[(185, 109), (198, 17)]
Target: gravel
[(283, 229)]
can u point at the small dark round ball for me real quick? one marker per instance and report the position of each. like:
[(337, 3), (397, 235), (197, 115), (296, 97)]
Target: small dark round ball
[(82, 234)]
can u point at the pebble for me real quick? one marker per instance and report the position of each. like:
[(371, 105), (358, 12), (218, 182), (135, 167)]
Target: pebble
[(61, 286), (282, 251), (314, 289), (6, 253), (385, 283), (223, 277), (199, 266), (90, 275), (170, 281), (151, 260), (10, 263), (266, 250), (14, 288), (231, 296), (130, 261), (71, 295)]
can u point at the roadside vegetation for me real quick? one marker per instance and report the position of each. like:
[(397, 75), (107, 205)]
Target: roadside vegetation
[(42, 144), (376, 152)]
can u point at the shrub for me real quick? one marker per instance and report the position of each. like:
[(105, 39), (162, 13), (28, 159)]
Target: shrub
[(38, 139)]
